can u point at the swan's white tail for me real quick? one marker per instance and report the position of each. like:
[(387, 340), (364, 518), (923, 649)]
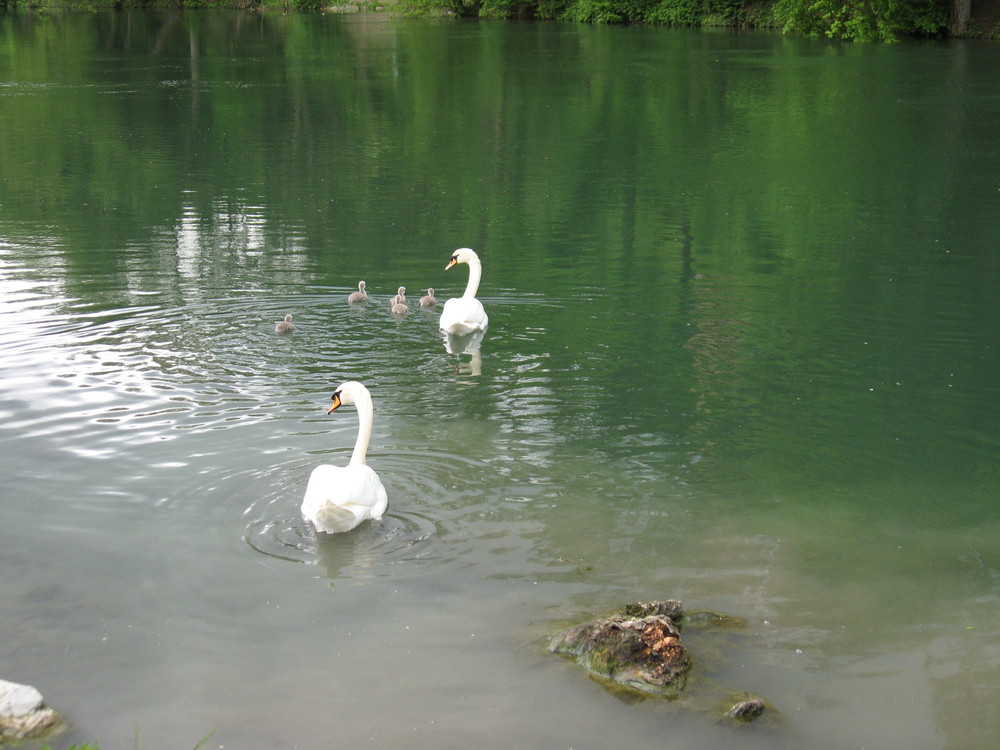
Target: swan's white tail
[(334, 519)]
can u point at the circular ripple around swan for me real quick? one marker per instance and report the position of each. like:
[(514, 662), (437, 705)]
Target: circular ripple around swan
[(421, 529)]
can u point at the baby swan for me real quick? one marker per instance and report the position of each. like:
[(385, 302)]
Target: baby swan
[(398, 303), (338, 498), (285, 326), (428, 299), (464, 315), (359, 296)]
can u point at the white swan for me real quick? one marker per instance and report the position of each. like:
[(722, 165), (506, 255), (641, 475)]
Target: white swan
[(464, 315), (359, 296), (285, 326), (428, 299), (338, 498)]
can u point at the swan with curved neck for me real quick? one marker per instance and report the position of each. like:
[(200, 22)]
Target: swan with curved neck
[(285, 326), (398, 303), (338, 498), (428, 299), (466, 314), (359, 296)]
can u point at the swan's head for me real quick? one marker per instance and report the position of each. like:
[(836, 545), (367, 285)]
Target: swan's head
[(462, 255), (347, 393), (401, 291), (361, 285), (430, 291), (288, 318)]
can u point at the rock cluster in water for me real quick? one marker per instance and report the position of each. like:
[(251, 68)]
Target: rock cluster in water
[(23, 713), (639, 648)]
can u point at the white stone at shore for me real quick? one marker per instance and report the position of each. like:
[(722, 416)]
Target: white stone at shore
[(23, 712)]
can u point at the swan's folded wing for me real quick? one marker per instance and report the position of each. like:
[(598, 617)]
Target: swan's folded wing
[(335, 490), (371, 494), (463, 315)]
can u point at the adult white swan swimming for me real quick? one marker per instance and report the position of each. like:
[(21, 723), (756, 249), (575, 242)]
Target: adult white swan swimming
[(338, 498), (464, 315)]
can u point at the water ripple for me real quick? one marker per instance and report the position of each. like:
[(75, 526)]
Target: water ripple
[(426, 525)]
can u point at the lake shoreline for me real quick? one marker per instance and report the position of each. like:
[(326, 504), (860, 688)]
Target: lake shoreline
[(983, 22)]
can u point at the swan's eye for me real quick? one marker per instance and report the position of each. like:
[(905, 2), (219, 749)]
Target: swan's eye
[(334, 396), (454, 258)]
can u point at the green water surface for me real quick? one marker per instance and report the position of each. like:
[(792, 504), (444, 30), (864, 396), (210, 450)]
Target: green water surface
[(743, 351)]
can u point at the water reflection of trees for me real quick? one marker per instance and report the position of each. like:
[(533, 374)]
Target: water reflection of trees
[(712, 177), (344, 123)]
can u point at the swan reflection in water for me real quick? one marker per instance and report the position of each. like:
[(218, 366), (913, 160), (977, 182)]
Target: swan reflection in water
[(467, 344), (349, 557), (374, 550)]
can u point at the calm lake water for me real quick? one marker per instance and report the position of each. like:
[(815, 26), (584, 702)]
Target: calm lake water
[(744, 299)]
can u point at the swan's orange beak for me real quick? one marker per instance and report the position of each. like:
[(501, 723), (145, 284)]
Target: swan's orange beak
[(336, 403), (451, 263)]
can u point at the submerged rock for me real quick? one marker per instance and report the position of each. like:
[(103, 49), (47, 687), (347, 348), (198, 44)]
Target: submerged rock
[(23, 713), (746, 710), (639, 647)]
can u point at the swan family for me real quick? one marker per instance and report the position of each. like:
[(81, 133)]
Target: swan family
[(339, 498)]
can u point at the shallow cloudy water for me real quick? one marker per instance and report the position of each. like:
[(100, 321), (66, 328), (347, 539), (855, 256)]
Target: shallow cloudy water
[(742, 352)]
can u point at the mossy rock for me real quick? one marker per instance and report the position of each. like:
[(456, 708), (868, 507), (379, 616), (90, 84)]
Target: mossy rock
[(638, 650)]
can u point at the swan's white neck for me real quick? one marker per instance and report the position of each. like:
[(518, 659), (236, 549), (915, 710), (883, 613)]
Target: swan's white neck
[(475, 274), (366, 415)]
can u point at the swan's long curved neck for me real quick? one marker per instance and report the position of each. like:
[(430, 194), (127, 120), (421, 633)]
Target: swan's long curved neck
[(475, 274), (366, 415)]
